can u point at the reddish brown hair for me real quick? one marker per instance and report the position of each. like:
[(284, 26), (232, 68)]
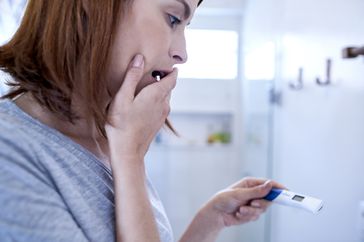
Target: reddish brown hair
[(62, 45)]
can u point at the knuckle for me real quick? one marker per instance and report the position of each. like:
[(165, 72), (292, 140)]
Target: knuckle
[(166, 110), (174, 83), (247, 178), (241, 209), (253, 211)]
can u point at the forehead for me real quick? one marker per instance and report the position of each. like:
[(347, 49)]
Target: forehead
[(191, 3), (194, 3)]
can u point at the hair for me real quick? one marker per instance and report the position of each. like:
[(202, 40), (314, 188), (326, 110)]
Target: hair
[(55, 40), (62, 46)]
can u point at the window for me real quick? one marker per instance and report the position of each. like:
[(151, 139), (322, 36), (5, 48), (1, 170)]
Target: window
[(11, 13), (260, 62), (212, 54)]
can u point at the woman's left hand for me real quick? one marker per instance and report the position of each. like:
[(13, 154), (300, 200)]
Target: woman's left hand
[(242, 202)]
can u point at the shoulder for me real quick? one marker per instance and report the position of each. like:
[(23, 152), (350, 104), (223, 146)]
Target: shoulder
[(20, 154), (19, 130), (12, 132), (20, 166), (12, 135)]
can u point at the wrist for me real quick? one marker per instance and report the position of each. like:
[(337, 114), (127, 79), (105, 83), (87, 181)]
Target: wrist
[(125, 147), (205, 226), (125, 150), (127, 162), (210, 216)]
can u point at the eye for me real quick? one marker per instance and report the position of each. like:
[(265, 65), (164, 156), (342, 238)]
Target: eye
[(173, 21)]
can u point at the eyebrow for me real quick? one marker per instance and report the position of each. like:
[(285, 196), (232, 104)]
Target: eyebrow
[(187, 13)]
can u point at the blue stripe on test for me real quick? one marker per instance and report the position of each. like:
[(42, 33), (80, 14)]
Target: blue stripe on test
[(273, 194)]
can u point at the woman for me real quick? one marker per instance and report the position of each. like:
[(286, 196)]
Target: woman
[(85, 102)]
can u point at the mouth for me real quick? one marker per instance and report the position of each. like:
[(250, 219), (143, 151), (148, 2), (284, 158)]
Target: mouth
[(158, 75)]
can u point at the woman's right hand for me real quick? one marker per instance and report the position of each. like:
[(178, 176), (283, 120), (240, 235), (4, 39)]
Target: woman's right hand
[(134, 120)]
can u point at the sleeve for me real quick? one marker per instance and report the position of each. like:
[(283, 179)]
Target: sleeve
[(31, 209)]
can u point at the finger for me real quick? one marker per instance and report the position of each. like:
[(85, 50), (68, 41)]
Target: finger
[(252, 182), (247, 212), (168, 83), (259, 191), (263, 204), (278, 185), (133, 76), (244, 219)]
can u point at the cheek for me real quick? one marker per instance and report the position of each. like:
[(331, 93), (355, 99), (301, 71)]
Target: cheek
[(149, 37), (153, 41), (115, 75), (145, 81)]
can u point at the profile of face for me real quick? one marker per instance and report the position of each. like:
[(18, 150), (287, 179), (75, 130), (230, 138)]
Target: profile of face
[(155, 29)]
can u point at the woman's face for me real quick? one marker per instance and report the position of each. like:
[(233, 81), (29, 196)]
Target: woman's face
[(155, 29)]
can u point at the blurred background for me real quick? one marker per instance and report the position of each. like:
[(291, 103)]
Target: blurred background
[(266, 93)]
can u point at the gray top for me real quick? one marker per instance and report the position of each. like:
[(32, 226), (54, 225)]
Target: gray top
[(52, 189)]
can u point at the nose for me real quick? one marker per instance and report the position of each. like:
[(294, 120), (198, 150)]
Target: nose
[(178, 50)]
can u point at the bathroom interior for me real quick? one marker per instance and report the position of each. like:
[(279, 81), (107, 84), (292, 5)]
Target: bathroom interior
[(272, 88)]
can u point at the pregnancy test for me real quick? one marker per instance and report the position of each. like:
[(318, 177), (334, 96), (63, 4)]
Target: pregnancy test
[(292, 199)]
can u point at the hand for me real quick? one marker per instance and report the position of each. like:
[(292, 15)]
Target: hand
[(241, 203), (135, 120)]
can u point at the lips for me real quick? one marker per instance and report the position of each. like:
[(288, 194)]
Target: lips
[(160, 73)]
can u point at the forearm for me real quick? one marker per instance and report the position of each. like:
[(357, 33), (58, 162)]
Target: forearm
[(203, 228), (134, 215), (133, 119)]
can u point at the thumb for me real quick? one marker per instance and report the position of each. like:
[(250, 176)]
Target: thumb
[(132, 78), (259, 191)]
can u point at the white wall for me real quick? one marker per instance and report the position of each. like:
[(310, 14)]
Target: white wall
[(11, 12), (319, 131), (188, 171), (319, 151), (3, 79)]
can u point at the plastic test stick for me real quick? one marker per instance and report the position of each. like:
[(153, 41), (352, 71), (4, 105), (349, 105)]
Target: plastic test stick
[(292, 199)]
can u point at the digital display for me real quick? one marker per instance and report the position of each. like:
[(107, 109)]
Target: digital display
[(298, 198)]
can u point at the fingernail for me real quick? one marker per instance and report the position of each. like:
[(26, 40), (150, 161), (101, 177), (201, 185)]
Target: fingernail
[(138, 61)]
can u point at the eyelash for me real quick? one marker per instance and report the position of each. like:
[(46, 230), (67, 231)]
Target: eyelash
[(173, 20)]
